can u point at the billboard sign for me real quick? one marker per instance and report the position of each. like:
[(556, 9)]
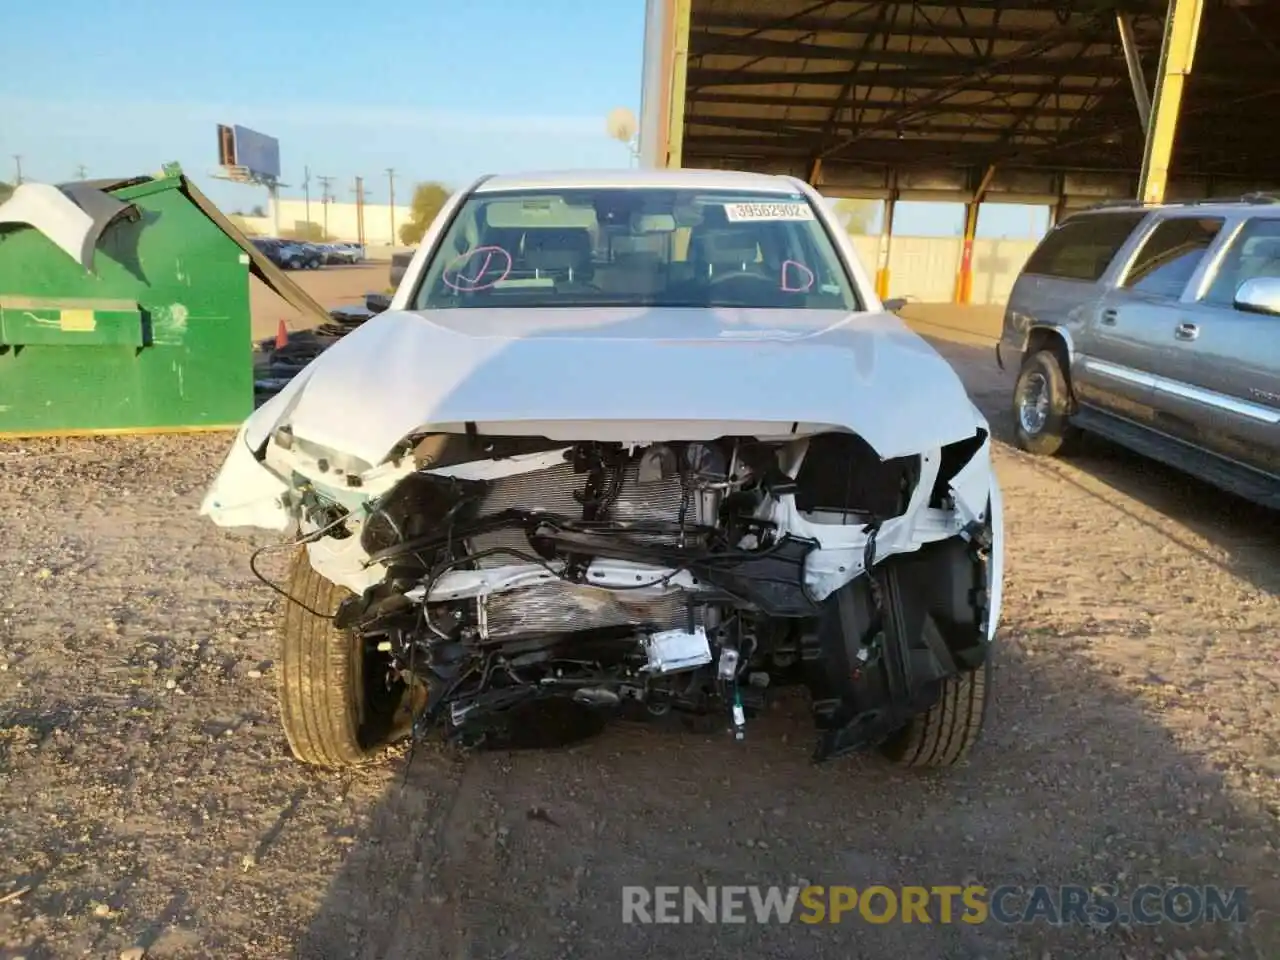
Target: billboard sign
[(241, 147)]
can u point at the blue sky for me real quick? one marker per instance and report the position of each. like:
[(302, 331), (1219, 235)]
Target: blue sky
[(437, 91)]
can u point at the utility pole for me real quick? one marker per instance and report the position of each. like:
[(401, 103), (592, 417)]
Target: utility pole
[(306, 193), (17, 162), (359, 191), (391, 201), (82, 172), (324, 199)]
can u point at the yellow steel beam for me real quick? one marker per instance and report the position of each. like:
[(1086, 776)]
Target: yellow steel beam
[(679, 37), (886, 241), (1181, 31), (964, 278)]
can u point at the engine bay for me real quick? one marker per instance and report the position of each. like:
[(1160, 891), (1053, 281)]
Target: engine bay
[(520, 577)]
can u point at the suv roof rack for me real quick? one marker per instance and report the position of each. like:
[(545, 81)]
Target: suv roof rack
[(1256, 197)]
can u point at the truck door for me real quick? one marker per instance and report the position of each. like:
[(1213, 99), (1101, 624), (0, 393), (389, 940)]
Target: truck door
[(1130, 342), (1224, 367)]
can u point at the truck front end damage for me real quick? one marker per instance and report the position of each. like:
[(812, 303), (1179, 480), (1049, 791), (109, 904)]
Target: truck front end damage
[(500, 580)]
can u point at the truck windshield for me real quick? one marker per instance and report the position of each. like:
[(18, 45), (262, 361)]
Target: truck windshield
[(644, 247)]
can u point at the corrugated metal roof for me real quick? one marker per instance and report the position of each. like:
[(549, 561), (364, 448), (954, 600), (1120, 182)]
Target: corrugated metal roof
[(1039, 84)]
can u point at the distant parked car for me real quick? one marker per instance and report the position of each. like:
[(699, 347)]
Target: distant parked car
[(274, 250), (310, 255), (340, 253), (1159, 328)]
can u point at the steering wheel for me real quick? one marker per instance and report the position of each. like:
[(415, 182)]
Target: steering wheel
[(725, 279), (744, 286)]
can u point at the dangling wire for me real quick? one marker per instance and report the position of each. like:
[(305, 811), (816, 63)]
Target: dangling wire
[(300, 541)]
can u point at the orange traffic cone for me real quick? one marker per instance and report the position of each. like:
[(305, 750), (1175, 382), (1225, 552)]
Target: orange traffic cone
[(282, 336)]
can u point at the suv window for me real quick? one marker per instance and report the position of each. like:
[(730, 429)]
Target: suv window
[(1255, 252), (1170, 255), (1083, 246)]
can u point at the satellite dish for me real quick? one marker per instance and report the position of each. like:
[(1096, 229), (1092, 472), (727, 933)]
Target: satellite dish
[(621, 124)]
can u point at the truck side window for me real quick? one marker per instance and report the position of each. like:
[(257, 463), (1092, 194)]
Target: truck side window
[(1083, 246), (1255, 252), (1170, 255)]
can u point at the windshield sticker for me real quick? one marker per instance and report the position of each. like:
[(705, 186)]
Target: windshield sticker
[(478, 269), (524, 282), (796, 277), (741, 212)]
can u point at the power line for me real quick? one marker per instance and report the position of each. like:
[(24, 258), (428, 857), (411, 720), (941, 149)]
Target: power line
[(325, 197), (359, 192), (391, 201)]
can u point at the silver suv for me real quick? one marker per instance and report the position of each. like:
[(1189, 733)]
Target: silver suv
[(1159, 328)]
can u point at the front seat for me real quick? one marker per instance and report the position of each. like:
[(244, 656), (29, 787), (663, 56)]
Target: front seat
[(563, 254), (733, 248)]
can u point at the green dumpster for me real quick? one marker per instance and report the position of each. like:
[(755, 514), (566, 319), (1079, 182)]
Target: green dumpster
[(124, 307)]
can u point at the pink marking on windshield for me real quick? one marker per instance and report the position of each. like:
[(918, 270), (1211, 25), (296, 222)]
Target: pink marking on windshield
[(806, 283), (476, 279)]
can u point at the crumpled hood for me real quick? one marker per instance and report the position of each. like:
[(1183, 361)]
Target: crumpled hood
[(403, 370)]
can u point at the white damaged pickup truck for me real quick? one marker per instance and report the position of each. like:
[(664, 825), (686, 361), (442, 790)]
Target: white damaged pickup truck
[(629, 443)]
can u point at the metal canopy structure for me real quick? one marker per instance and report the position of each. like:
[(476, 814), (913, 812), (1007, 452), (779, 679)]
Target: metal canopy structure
[(1041, 102)]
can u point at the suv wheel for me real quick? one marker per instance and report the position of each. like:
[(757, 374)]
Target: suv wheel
[(336, 703), (1042, 405)]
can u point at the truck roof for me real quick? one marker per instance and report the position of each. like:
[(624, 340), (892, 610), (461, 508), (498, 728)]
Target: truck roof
[(623, 178), (1256, 203)]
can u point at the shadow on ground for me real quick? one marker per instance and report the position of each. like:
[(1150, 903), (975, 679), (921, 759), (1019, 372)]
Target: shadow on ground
[(526, 854)]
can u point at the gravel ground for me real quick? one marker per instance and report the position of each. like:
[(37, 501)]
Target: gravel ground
[(149, 803)]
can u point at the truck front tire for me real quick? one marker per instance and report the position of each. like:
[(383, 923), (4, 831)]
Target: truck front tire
[(944, 734), (336, 703)]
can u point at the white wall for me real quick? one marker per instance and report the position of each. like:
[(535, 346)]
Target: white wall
[(925, 268)]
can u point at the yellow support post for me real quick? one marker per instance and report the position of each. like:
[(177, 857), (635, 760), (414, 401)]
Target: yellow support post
[(679, 34), (1181, 31), (815, 171), (964, 278), (882, 253)]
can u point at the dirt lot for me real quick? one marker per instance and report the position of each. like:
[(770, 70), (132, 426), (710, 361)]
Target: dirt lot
[(333, 286), (149, 800)]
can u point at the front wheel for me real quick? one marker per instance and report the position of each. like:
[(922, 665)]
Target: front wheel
[(337, 703), (944, 734), (1042, 406)]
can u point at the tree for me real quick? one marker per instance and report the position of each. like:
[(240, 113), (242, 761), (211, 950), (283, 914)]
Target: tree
[(428, 198), (307, 230), (240, 223), (857, 216), (5, 190), (257, 212)]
